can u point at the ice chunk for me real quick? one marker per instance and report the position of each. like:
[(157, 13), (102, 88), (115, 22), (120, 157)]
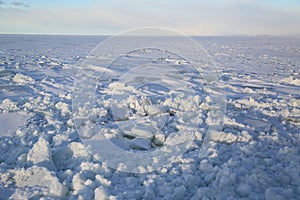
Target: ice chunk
[(205, 166), (158, 121), (100, 193), (21, 78), (153, 109), (243, 190), (118, 86), (79, 187), (143, 131), (120, 112), (120, 143), (244, 137), (179, 192), (191, 180), (186, 116), (221, 137), (63, 107), (40, 155), (274, 193), (227, 180), (159, 139), (41, 181), (140, 144), (179, 138), (248, 90)]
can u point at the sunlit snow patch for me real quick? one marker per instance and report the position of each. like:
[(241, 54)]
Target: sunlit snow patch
[(291, 80), (9, 122)]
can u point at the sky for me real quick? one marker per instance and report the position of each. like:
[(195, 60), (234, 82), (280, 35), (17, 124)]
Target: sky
[(191, 17)]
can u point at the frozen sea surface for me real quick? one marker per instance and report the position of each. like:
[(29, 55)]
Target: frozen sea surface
[(255, 156)]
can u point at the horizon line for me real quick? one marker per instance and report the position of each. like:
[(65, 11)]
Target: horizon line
[(191, 35)]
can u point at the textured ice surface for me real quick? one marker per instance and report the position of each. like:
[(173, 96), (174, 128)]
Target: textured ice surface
[(256, 156)]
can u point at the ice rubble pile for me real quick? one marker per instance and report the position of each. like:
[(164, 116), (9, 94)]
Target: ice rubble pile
[(256, 156)]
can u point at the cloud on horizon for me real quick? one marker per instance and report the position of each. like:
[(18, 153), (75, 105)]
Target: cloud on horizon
[(226, 17), (19, 4)]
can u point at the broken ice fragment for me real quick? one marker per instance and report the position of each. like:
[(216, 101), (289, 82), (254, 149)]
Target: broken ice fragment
[(40, 155), (159, 139), (143, 131), (120, 112), (153, 109), (140, 144)]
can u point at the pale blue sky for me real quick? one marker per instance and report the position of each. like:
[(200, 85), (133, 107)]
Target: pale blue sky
[(194, 17)]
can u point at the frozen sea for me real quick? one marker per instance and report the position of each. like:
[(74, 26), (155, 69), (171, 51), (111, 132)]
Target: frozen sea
[(256, 154)]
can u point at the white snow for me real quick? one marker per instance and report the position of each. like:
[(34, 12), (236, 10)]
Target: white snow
[(291, 80), (10, 122), (21, 78), (37, 182), (254, 156), (9, 105)]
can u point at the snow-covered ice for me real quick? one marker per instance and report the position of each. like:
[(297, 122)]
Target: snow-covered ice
[(256, 155)]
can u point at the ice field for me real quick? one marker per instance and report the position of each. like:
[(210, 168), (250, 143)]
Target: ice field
[(255, 155)]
